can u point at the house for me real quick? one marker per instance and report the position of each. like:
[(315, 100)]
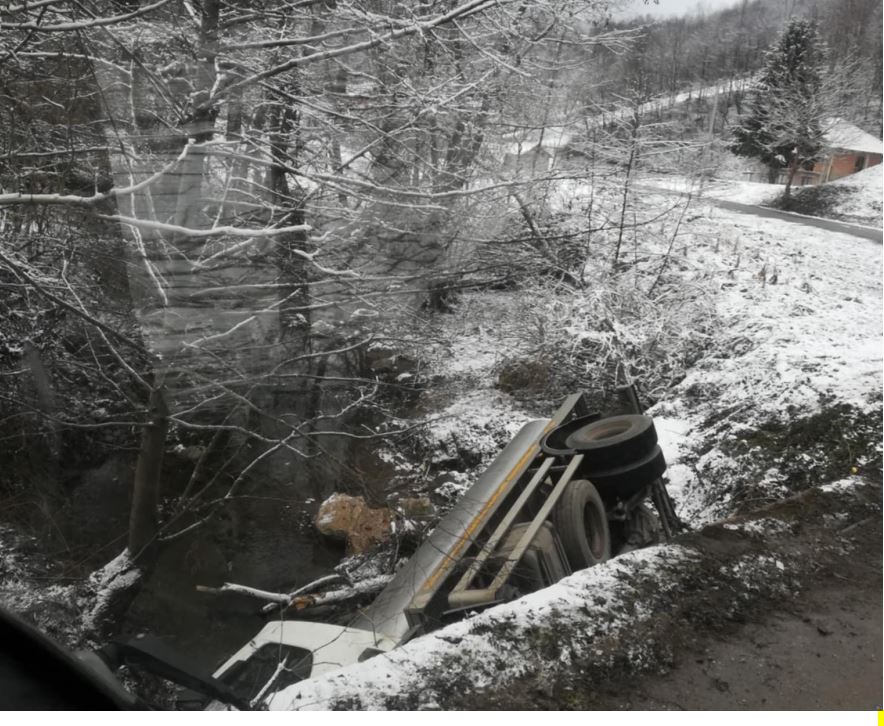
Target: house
[(848, 150)]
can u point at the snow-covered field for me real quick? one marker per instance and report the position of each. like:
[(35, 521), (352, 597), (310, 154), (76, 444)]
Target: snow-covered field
[(798, 329), (801, 332), (744, 192)]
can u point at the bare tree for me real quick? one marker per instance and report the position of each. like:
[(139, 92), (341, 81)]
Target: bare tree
[(259, 190)]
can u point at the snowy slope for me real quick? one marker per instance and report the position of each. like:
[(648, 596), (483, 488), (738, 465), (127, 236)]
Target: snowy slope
[(802, 312), (744, 192), (863, 197), (801, 334), (855, 198)]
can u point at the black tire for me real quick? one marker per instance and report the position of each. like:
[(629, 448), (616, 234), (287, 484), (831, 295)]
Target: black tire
[(614, 441), (582, 525), (623, 482), (553, 443)]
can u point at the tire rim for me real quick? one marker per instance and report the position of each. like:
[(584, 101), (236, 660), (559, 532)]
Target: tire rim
[(594, 527), (598, 432), (612, 429)]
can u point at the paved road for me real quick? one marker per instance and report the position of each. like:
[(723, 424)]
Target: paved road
[(857, 230), (832, 225)]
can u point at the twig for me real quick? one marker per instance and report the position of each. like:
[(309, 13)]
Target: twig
[(22, 275)]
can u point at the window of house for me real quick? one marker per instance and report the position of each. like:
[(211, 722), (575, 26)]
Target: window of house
[(860, 163)]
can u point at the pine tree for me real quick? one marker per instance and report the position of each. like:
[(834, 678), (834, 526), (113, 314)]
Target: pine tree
[(783, 125)]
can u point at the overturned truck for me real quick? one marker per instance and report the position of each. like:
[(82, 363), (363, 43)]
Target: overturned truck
[(564, 494)]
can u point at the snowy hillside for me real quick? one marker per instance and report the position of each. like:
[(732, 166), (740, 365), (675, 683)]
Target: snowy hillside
[(862, 200), (785, 399), (856, 198)]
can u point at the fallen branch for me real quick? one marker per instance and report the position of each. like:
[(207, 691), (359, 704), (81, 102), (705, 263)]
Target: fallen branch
[(364, 587), (274, 598)]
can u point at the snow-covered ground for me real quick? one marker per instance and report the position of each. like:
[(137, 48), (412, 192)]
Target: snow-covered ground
[(802, 331), (797, 315), (798, 328), (27, 590), (800, 313), (744, 192), (615, 618), (594, 601), (730, 190), (855, 198)]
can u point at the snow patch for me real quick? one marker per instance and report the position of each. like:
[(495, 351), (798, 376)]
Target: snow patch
[(105, 585), (480, 423), (842, 486), (863, 202), (760, 527)]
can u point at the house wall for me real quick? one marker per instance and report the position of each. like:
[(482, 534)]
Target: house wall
[(844, 163)]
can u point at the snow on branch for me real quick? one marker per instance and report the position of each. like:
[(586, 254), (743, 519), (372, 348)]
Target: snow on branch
[(94, 22), (79, 200), (20, 272), (212, 231), (9, 9), (61, 54), (273, 598), (418, 27)]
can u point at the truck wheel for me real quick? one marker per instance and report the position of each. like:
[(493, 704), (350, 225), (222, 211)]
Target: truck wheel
[(582, 525), (625, 481), (614, 441)]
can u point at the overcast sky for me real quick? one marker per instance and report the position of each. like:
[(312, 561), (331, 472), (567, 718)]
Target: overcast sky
[(667, 8)]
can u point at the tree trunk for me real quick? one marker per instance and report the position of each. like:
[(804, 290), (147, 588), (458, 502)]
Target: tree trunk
[(793, 169), (143, 515), (630, 163)]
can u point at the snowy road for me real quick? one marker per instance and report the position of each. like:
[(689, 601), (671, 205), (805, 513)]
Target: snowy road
[(724, 195), (856, 230)]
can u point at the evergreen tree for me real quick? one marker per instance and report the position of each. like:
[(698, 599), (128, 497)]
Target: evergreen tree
[(783, 124)]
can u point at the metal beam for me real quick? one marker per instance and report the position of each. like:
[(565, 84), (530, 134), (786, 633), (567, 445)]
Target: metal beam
[(501, 530), (474, 597)]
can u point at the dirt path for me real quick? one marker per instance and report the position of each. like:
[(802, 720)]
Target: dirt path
[(825, 656), (822, 651)]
